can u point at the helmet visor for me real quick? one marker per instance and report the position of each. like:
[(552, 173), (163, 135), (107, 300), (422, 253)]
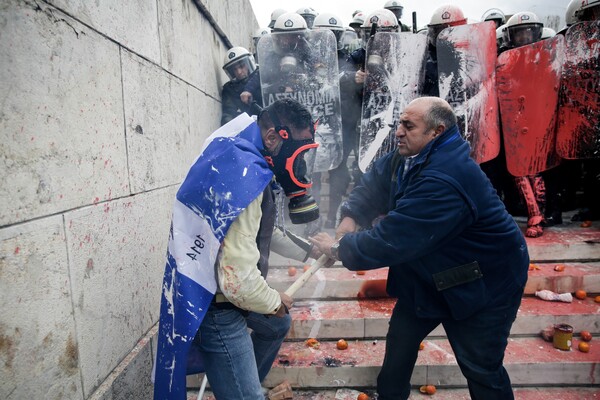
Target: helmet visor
[(521, 35), (240, 69), (289, 42), (589, 14)]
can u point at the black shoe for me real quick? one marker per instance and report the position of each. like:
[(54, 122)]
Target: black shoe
[(586, 214), (555, 219)]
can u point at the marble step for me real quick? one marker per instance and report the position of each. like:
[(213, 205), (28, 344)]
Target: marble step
[(358, 319), (541, 393), (566, 242), (338, 282), (529, 361)]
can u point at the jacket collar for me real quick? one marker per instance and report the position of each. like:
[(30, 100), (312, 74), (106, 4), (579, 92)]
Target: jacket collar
[(448, 136)]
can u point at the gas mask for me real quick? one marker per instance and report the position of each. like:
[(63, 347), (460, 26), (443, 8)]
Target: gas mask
[(291, 172)]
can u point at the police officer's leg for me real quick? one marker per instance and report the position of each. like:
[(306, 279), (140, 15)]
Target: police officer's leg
[(405, 334), (339, 179), (479, 343), (267, 335)]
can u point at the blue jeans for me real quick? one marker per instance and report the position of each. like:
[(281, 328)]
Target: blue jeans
[(478, 342), (236, 360)]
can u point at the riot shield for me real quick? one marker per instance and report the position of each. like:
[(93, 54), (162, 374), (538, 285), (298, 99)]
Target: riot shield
[(395, 65), (528, 79), (304, 66), (578, 131), (467, 80)]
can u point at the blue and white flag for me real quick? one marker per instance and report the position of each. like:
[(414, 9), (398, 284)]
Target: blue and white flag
[(226, 177)]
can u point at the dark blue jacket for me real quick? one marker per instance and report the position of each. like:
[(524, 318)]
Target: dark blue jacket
[(451, 246)]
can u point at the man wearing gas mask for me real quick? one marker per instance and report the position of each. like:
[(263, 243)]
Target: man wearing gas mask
[(271, 153)]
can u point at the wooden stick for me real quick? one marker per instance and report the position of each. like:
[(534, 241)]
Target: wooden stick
[(315, 266)]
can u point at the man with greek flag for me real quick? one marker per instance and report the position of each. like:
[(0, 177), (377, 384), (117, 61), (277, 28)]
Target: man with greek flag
[(215, 286)]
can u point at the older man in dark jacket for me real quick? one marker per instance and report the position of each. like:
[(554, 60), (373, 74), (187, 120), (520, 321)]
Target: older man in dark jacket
[(456, 257)]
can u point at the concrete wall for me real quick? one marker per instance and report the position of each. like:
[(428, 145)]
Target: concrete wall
[(103, 106)]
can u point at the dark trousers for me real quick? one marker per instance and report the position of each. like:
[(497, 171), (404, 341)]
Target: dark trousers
[(478, 343)]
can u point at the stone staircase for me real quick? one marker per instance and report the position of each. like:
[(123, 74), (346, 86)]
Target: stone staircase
[(337, 303)]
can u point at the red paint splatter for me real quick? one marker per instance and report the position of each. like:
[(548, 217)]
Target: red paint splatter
[(373, 289), (106, 208), (17, 250), (96, 200)]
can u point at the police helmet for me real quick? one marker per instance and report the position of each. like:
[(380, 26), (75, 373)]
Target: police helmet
[(547, 33), (332, 22), (238, 64), (274, 15), (309, 14), (442, 18), (496, 15), (289, 33), (521, 29), (395, 7), (589, 10)]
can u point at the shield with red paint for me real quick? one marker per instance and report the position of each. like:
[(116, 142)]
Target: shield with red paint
[(578, 132), (528, 79), (394, 64), (467, 80)]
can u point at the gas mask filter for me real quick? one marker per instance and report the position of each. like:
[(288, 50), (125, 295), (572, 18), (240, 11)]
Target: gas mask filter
[(290, 167)]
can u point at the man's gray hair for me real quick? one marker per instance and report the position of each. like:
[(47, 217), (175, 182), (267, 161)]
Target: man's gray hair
[(440, 113)]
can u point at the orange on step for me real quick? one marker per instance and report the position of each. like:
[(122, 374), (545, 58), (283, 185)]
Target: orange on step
[(312, 342), (421, 345), (584, 347), (362, 396), (427, 389), (342, 344), (580, 294), (292, 271)]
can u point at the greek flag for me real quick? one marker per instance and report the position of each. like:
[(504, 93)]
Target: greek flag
[(226, 177)]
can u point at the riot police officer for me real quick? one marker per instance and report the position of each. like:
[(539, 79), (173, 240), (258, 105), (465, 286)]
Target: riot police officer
[(309, 14), (239, 65), (395, 7), (495, 15), (521, 29), (442, 18)]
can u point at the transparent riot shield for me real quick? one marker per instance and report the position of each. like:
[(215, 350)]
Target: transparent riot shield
[(467, 80), (578, 129), (394, 65), (304, 66), (528, 79)]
